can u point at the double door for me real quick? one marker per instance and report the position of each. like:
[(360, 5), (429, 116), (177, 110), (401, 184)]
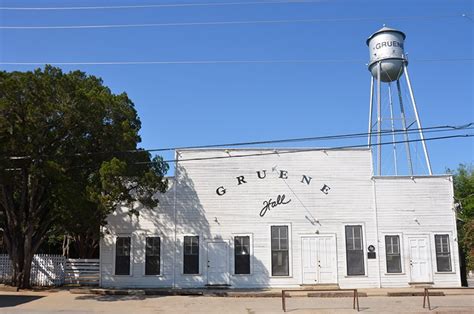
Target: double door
[(319, 260)]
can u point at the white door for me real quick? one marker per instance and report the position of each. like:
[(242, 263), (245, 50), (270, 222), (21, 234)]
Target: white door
[(420, 267), (319, 260), (309, 260), (217, 263)]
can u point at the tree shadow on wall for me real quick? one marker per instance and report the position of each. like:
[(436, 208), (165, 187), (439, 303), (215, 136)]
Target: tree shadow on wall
[(191, 220)]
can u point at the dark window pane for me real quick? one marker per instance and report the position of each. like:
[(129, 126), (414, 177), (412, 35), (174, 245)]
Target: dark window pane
[(191, 255), (152, 265), (355, 263), (443, 262), (242, 264), (354, 250), (394, 264), (152, 256), (122, 256), (280, 256), (191, 264), (443, 254), (242, 255), (280, 265), (122, 265), (392, 250)]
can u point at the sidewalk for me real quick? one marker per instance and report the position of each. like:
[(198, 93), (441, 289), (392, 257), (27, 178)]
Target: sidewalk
[(42, 302), (266, 293)]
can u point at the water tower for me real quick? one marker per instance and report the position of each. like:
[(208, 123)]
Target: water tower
[(388, 63)]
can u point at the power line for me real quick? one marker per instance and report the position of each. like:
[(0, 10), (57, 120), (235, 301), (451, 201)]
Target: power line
[(203, 62), (283, 21), (467, 126), (279, 152), (445, 128), (168, 5), (294, 151), (188, 62)]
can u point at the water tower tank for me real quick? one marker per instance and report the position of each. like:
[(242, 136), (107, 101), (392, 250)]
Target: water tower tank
[(386, 46)]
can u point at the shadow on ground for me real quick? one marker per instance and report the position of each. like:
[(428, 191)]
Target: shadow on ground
[(14, 300), (113, 298)]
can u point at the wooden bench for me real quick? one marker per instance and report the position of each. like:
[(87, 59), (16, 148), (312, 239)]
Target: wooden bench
[(355, 298), (426, 294)]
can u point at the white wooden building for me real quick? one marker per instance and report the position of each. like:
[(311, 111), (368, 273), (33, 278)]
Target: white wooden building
[(284, 220)]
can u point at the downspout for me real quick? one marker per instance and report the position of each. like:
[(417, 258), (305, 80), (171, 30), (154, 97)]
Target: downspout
[(457, 267), (101, 229), (379, 275), (175, 185)]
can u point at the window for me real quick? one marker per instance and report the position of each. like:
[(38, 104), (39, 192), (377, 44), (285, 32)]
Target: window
[(242, 255), (443, 254), (392, 251), (122, 256), (152, 256), (191, 255), (280, 258), (354, 251)]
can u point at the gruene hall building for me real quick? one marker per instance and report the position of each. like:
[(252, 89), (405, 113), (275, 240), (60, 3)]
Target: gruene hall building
[(285, 218)]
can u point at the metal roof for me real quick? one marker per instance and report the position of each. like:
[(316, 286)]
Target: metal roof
[(385, 29)]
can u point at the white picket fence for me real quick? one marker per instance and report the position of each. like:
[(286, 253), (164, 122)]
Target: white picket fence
[(55, 270), (47, 270), (82, 271)]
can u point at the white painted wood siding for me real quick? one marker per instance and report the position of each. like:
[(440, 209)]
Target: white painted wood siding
[(418, 206), (151, 222), (198, 210)]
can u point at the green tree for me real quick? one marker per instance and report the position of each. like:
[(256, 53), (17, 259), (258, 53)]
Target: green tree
[(464, 197), (68, 148)]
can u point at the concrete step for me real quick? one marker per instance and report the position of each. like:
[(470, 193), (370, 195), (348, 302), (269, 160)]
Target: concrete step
[(320, 286), (421, 284), (335, 294), (414, 294)]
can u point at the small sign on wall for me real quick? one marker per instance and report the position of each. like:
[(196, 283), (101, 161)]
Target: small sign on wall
[(371, 252)]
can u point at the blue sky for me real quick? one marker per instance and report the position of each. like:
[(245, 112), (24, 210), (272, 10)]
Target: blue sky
[(195, 104)]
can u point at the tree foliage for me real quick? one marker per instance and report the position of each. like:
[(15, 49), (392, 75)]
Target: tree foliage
[(68, 157), (464, 197)]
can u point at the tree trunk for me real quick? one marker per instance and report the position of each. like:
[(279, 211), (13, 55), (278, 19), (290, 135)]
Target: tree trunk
[(21, 258), (86, 245), (25, 222)]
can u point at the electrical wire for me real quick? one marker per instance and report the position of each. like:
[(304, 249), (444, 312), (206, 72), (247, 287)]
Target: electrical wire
[(282, 21), (467, 126), (188, 62), (443, 128), (184, 62), (167, 5), (293, 151)]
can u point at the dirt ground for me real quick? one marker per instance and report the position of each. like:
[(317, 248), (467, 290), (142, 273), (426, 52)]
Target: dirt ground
[(65, 302)]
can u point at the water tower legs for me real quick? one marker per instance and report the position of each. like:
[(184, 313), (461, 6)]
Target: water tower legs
[(392, 124), (379, 121), (371, 109), (420, 129), (404, 126)]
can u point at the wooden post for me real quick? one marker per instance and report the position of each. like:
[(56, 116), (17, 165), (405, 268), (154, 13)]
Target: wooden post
[(357, 293), (283, 303), (424, 298), (428, 297), (354, 300)]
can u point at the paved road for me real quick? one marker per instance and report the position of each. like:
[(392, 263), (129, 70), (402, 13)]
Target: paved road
[(65, 302)]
